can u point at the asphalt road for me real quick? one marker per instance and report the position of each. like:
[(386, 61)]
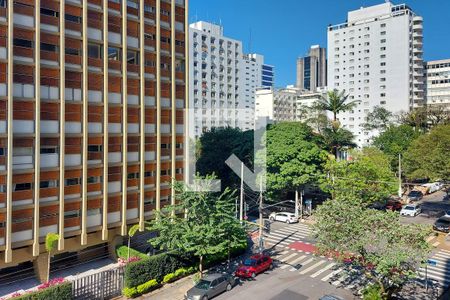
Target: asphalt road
[(281, 285), (431, 204)]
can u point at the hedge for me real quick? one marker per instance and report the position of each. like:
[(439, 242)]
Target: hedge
[(154, 267), (141, 289), (122, 252), (61, 291), (171, 277)]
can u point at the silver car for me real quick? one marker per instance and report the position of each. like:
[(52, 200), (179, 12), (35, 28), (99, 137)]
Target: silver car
[(210, 286)]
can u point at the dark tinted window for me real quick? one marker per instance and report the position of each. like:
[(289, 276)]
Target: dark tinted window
[(72, 18), (23, 43)]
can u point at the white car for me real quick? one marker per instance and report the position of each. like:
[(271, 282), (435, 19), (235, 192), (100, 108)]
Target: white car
[(410, 210), (283, 217), (433, 187)]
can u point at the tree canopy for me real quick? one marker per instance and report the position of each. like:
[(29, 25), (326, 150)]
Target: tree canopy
[(367, 175), (335, 102), (209, 226), (428, 155), (394, 141), (294, 158), (216, 146), (378, 119), (387, 251)]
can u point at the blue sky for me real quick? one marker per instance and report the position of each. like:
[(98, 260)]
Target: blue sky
[(282, 30)]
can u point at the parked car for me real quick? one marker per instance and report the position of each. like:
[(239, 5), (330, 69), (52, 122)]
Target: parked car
[(433, 187), (210, 286), (415, 195), (394, 205), (377, 206), (283, 217), (442, 224), (447, 214), (411, 210), (254, 265), (331, 297)]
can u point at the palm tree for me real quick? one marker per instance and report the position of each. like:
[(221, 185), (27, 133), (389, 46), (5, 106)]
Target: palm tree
[(335, 102)]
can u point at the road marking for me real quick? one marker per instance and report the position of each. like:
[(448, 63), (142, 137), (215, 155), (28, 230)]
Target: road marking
[(312, 267), (308, 261), (288, 257), (329, 266), (332, 274), (341, 279), (436, 244), (443, 250), (281, 253), (296, 261), (430, 238)]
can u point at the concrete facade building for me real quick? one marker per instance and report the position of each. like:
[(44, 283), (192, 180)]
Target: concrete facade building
[(438, 82), (312, 69), (376, 57), (223, 80), (276, 105), (93, 97)]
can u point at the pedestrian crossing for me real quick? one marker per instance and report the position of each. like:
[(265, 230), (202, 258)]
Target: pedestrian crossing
[(287, 235), (439, 274), (321, 268)]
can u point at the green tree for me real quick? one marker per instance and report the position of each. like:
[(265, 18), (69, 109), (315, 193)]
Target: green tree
[(337, 139), (428, 155), (209, 226), (394, 141), (335, 102), (388, 252), (416, 118), (51, 244), (216, 146), (367, 175), (294, 158), (378, 119)]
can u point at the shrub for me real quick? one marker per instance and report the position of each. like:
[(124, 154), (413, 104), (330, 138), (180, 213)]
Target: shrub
[(170, 277), (122, 252), (147, 287), (372, 292), (212, 260), (130, 292), (154, 267), (61, 291), (140, 289)]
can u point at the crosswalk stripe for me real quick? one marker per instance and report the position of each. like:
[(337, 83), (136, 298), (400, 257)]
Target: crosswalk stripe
[(332, 274), (308, 261), (296, 261), (430, 238), (442, 256), (283, 237), (287, 235), (438, 279), (439, 272), (281, 253), (445, 251), (285, 259), (342, 278), (436, 244), (329, 266), (312, 267), (292, 231)]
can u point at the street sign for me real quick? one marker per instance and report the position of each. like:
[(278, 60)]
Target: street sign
[(432, 262)]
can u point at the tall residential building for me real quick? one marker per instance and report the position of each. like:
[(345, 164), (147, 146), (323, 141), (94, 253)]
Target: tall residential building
[(438, 82), (312, 69), (376, 57), (264, 73), (92, 120), (223, 80), (276, 105)]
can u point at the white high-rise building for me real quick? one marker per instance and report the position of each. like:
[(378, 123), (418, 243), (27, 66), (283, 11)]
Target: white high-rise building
[(438, 83), (223, 80), (376, 57)]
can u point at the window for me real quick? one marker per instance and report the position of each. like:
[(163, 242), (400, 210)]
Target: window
[(383, 95), (133, 57), (23, 43), (22, 186), (95, 148), (71, 214), (383, 33), (94, 51), (133, 4), (48, 150), (383, 25), (383, 41), (149, 9), (149, 174), (165, 40), (72, 51), (94, 179), (72, 181), (113, 53), (165, 172), (149, 36), (49, 12), (133, 175), (150, 63), (49, 47), (72, 18), (48, 184), (165, 12), (2, 151)]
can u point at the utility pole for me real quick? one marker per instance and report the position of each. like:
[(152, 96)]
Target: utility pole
[(241, 207), (301, 205), (296, 204), (260, 219), (400, 175)]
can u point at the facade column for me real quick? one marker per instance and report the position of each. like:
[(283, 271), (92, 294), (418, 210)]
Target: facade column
[(158, 105), (85, 127), (142, 115), (123, 229)]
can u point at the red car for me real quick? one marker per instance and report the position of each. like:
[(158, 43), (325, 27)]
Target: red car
[(394, 205), (254, 265)]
